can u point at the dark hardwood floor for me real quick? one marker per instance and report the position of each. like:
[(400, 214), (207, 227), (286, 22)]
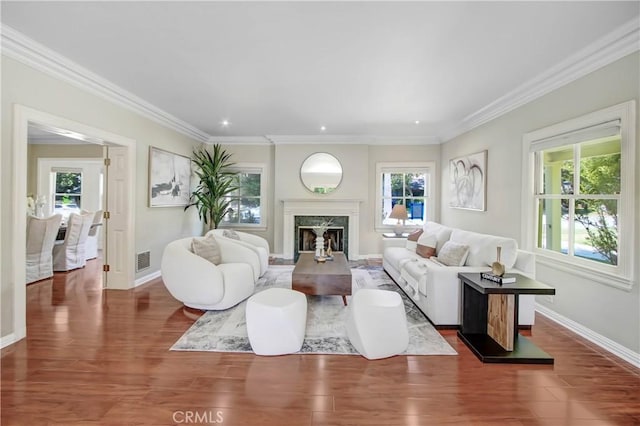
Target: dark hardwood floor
[(102, 358)]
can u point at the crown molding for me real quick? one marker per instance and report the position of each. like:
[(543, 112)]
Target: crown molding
[(617, 44), (352, 139), (17, 46), (239, 140)]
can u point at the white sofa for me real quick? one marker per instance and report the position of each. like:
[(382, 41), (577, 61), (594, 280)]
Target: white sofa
[(436, 289), (200, 284)]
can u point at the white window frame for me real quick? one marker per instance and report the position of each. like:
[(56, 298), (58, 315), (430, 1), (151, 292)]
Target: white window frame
[(261, 169), (621, 275), (429, 167)]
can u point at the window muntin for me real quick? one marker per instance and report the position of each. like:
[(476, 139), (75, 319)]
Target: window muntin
[(578, 201), (408, 184), (67, 192), (247, 206)]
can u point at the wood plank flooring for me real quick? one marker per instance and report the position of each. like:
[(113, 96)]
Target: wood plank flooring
[(102, 358)]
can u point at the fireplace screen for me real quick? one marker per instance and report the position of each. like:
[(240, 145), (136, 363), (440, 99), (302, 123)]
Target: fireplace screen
[(307, 239)]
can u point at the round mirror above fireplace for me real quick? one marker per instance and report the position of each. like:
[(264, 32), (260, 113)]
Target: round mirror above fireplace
[(321, 173)]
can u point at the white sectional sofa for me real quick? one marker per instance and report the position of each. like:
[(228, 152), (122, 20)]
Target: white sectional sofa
[(436, 289)]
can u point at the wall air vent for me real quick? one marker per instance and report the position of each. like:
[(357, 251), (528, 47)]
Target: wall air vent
[(143, 260)]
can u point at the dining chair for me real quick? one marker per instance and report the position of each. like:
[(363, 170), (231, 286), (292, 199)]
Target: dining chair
[(41, 236), (91, 246), (69, 253)]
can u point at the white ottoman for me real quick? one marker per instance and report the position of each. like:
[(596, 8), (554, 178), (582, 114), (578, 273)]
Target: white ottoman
[(377, 323), (276, 321)]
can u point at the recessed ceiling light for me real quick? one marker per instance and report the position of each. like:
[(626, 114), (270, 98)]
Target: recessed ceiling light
[(322, 128), (225, 123), (417, 121)]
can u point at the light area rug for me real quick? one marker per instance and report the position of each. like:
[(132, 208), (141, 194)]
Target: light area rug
[(226, 331)]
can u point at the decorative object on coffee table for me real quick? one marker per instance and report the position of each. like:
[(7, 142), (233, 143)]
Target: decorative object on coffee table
[(320, 230), (399, 212), (497, 268)]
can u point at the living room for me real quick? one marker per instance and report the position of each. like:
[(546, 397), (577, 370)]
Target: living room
[(41, 84)]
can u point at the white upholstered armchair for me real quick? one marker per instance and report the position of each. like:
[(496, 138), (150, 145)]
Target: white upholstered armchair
[(257, 244), (41, 236), (200, 284)]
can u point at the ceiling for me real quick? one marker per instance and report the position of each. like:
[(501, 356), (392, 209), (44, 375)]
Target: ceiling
[(288, 68)]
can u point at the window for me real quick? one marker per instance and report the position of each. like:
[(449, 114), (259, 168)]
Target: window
[(247, 204), (67, 192), (582, 183), (408, 184)]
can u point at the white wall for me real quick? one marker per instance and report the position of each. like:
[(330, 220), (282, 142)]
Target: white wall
[(608, 311), (154, 228)]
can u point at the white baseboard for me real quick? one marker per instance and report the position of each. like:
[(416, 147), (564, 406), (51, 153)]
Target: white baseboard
[(7, 340), (605, 343), (145, 279)]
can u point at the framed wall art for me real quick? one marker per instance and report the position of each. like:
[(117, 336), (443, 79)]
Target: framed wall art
[(468, 181), (169, 178)]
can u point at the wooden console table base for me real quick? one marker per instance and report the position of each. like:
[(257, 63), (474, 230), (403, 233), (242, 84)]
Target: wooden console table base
[(490, 320), (331, 278)]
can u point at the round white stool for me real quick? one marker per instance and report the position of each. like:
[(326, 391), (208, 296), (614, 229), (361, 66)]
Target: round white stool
[(377, 323), (276, 321)]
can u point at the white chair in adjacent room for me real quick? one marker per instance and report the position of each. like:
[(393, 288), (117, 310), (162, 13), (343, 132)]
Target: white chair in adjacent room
[(257, 244), (69, 253), (377, 323), (41, 236), (201, 284), (91, 246), (276, 321)]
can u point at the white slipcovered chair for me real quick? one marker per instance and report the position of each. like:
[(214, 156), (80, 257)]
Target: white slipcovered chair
[(91, 246), (41, 236), (377, 323), (200, 284), (257, 244), (69, 253)]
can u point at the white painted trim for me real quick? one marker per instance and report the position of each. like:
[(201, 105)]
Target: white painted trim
[(605, 343), (622, 275), (352, 139), (239, 140), (146, 278), (7, 340), (23, 49), (433, 183), (22, 116), (608, 49)]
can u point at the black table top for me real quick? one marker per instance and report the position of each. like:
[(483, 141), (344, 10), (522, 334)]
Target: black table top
[(523, 285)]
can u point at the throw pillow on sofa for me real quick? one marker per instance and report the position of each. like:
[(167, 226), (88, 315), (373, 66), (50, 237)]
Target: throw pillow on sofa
[(230, 233), (453, 254), (207, 248), (426, 245), (412, 240)]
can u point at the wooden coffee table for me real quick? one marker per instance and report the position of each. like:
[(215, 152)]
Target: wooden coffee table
[(331, 278)]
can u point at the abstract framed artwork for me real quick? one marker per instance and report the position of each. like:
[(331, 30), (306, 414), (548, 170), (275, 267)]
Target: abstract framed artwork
[(169, 178), (468, 181)]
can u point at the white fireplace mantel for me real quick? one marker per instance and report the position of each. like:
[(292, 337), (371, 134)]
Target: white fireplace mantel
[(325, 207)]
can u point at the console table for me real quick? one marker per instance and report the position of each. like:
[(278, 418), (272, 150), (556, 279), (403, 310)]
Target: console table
[(490, 319)]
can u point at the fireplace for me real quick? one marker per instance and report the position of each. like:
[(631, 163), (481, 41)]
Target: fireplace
[(305, 238), (345, 216)]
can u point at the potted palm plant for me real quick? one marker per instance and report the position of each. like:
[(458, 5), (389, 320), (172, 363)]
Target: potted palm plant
[(217, 182)]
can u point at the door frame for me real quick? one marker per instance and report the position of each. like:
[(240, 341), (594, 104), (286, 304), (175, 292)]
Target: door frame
[(22, 116)]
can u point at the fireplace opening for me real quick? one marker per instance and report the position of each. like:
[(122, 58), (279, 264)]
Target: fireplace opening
[(307, 239)]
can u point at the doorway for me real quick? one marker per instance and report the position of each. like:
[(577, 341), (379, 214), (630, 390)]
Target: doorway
[(119, 233)]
